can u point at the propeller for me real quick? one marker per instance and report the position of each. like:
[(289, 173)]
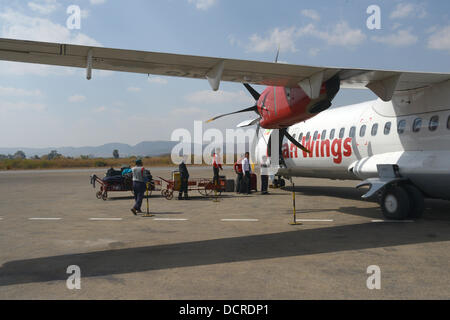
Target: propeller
[(255, 94), (291, 139), (253, 108)]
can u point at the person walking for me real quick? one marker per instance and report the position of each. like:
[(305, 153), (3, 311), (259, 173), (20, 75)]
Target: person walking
[(184, 176), (216, 166), (246, 169), (238, 169), (138, 186)]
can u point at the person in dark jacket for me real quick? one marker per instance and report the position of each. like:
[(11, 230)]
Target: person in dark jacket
[(184, 176)]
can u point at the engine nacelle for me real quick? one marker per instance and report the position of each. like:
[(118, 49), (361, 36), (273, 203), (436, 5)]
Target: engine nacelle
[(282, 107)]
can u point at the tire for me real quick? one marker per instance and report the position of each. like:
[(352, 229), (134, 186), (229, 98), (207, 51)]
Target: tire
[(416, 201), (169, 195), (395, 203), (98, 195), (105, 196)]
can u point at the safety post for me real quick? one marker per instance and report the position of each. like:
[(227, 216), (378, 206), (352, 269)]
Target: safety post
[(148, 209), (294, 223)]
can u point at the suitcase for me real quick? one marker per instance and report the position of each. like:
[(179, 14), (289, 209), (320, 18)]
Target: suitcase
[(229, 185), (253, 182)]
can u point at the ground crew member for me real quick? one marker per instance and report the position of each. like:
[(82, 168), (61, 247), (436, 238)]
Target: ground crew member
[(138, 186), (216, 166), (265, 164), (184, 176), (238, 170), (246, 169)]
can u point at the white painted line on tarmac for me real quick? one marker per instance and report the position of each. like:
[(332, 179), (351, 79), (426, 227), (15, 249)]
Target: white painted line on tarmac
[(395, 221), (314, 220), (248, 220), (44, 219), (169, 219), (105, 219)]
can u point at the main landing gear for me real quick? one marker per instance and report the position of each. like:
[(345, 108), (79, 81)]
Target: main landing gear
[(401, 201)]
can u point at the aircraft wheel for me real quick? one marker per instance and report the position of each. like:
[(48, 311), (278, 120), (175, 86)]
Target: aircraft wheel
[(416, 201), (395, 203)]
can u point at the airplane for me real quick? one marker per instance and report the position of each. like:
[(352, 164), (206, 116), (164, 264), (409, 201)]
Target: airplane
[(399, 144)]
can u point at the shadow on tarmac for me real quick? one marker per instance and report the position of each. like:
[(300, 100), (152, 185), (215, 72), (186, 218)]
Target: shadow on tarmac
[(228, 250)]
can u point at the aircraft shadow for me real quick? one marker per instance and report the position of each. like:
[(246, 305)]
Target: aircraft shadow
[(228, 250)]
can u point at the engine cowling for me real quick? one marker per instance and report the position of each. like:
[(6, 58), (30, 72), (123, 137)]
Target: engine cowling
[(281, 107)]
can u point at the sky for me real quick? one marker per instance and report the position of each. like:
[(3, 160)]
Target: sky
[(46, 106)]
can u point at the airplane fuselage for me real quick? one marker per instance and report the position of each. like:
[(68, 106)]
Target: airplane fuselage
[(412, 131)]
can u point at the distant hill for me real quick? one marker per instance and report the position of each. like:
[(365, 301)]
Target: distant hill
[(146, 148)]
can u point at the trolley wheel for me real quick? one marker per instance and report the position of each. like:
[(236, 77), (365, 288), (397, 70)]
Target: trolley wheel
[(164, 192), (105, 196), (169, 195), (98, 194)]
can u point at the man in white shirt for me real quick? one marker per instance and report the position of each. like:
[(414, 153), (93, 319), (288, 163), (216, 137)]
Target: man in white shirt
[(265, 164), (246, 169)]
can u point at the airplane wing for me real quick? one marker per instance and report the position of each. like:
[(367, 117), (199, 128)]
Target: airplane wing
[(384, 83)]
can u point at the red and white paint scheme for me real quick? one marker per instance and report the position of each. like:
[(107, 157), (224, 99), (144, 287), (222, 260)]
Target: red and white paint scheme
[(399, 144), (410, 133)]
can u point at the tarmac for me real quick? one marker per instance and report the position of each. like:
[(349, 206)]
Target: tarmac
[(240, 247)]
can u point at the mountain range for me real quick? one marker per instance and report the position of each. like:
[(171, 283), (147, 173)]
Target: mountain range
[(142, 149)]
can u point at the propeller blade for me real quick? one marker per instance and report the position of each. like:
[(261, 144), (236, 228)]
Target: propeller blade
[(253, 108), (252, 91), (295, 142)]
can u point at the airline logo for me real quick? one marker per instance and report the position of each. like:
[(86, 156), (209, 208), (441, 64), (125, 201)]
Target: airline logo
[(337, 149)]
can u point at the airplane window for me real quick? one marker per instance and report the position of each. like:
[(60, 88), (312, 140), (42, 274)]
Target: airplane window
[(333, 131), (300, 137), (352, 132), (387, 128), (434, 123), (324, 135), (362, 131), (294, 135), (375, 129), (417, 125), (401, 126), (315, 135), (308, 135), (341, 133)]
